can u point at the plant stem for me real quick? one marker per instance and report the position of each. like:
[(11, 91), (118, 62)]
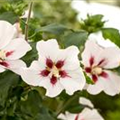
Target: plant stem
[(63, 106), (27, 21)]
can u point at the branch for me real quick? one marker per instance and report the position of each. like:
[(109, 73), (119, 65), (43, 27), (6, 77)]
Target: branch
[(27, 21)]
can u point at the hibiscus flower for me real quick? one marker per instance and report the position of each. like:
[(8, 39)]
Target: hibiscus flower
[(11, 48), (88, 113), (98, 62), (56, 69)]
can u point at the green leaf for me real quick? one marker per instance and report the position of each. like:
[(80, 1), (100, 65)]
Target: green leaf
[(76, 38), (33, 109), (53, 28), (112, 34), (7, 81)]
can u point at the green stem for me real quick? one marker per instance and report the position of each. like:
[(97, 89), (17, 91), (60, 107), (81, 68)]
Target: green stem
[(27, 21), (64, 105)]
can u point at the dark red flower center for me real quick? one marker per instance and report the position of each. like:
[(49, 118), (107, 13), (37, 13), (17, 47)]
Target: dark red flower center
[(96, 70), (54, 70)]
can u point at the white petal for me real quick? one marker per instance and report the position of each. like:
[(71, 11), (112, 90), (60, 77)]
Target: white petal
[(95, 88), (7, 32), (85, 101), (51, 90), (70, 55), (1, 69), (70, 116), (92, 49), (112, 56), (32, 75), (67, 116), (49, 48), (112, 84), (19, 47), (16, 65), (38, 65), (62, 116), (75, 82), (86, 114), (89, 114)]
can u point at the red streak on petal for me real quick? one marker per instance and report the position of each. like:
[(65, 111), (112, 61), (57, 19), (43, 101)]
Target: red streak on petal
[(5, 64), (76, 118), (88, 69), (53, 80), (49, 63), (104, 74), (91, 60), (9, 53), (95, 78), (101, 62), (44, 73), (60, 64), (63, 73)]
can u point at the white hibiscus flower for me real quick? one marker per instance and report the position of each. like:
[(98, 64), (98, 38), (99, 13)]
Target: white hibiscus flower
[(98, 62), (86, 114), (11, 48), (56, 69)]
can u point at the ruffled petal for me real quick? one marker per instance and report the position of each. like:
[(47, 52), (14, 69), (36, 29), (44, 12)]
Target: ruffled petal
[(110, 85), (32, 75), (7, 33), (112, 57), (48, 49), (95, 88), (51, 90), (89, 114), (91, 53), (15, 66), (74, 82), (70, 58), (18, 48)]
